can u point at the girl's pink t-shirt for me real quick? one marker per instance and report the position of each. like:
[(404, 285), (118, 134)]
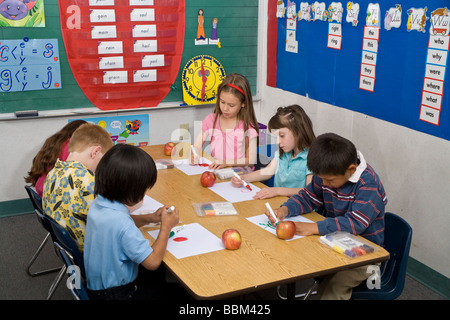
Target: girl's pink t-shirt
[(229, 144), (63, 154)]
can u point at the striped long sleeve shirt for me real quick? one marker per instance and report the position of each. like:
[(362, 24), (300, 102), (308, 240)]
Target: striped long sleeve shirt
[(356, 207)]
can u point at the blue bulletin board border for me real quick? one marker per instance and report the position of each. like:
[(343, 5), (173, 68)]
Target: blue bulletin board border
[(333, 75)]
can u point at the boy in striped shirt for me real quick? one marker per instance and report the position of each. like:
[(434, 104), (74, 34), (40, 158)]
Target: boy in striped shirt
[(348, 192)]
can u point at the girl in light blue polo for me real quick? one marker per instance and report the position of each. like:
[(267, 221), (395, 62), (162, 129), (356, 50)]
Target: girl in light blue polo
[(294, 132)]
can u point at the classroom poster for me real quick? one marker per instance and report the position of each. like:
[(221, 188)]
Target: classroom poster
[(391, 61), (131, 49), (29, 64), (132, 129), (22, 13)]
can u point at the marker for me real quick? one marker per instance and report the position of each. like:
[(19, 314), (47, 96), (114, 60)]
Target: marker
[(272, 213), (196, 155), (170, 209), (245, 183), (176, 230)]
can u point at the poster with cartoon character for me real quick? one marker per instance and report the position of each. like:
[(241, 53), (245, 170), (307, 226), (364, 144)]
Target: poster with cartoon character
[(22, 13), (133, 129)]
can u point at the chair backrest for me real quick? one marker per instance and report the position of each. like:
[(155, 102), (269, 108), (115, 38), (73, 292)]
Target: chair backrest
[(76, 282), (65, 240), (35, 199), (397, 239)]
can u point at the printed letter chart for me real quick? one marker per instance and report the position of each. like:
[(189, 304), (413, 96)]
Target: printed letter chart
[(335, 11), (291, 29), (29, 64), (370, 48), (369, 58), (433, 83)]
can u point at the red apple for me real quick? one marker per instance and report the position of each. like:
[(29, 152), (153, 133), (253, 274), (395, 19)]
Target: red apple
[(168, 147), (231, 239), (285, 229), (208, 179)]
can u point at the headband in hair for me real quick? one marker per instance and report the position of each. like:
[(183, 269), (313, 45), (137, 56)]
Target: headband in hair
[(237, 88)]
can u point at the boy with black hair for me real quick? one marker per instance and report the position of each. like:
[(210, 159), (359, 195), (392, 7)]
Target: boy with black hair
[(352, 199), (114, 246)]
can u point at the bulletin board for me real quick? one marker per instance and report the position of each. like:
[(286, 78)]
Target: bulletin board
[(388, 59), (237, 29)]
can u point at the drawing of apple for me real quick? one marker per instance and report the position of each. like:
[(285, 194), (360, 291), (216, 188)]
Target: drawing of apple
[(207, 179), (285, 230), (168, 147), (231, 239)]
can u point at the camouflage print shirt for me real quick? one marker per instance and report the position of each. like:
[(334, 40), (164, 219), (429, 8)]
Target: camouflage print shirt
[(68, 193)]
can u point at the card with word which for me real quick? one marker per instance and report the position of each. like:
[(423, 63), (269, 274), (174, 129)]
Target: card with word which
[(191, 240), (263, 222)]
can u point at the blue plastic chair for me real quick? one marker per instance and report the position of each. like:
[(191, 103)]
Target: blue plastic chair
[(37, 204), (76, 285), (397, 239), (64, 239)]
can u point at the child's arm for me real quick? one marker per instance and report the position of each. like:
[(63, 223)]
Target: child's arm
[(259, 175), (280, 191), (168, 221)]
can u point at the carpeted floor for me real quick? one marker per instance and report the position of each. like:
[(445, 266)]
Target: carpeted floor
[(21, 235)]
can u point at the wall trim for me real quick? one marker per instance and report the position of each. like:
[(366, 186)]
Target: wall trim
[(15, 207), (428, 277)]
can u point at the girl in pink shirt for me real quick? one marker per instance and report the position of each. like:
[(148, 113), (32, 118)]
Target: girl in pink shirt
[(232, 130)]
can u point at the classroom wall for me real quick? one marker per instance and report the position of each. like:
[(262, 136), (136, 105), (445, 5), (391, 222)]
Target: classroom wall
[(413, 166)]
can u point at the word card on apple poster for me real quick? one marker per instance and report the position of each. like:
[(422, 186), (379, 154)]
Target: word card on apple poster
[(436, 65), (111, 51)]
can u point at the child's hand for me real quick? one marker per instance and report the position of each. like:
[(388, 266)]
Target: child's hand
[(169, 219), (216, 165), (235, 182), (266, 193), (193, 159), (280, 213)]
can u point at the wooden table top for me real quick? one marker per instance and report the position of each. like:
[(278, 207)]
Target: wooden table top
[(261, 262)]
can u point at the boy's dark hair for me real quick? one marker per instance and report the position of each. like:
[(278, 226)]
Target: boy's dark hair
[(124, 174), (331, 154)]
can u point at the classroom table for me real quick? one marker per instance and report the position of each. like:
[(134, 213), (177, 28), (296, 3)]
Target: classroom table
[(263, 261)]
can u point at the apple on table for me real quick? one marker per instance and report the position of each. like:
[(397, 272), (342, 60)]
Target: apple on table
[(231, 239), (207, 179), (285, 229), (168, 147)]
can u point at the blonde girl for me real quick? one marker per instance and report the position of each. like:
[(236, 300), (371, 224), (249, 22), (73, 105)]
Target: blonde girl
[(232, 130)]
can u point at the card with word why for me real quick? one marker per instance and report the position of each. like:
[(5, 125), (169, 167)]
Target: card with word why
[(193, 239), (263, 222)]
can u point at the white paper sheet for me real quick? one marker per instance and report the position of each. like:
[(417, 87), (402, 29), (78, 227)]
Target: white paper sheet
[(187, 168), (192, 240), (263, 222), (233, 194), (150, 205)]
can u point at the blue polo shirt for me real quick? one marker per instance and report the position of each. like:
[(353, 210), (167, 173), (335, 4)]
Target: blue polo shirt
[(291, 172), (113, 245)]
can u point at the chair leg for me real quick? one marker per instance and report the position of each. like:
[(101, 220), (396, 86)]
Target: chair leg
[(38, 251), (56, 282), (305, 296)]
